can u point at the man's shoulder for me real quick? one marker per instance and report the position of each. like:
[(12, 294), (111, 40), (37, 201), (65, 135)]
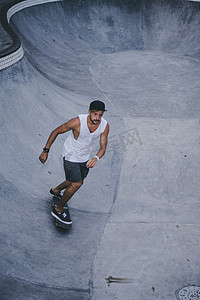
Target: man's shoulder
[(104, 125), (104, 121), (74, 123)]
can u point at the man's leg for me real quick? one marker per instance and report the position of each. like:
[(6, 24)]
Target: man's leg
[(61, 187), (68, 193)]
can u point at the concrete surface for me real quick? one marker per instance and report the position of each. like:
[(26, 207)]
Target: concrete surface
[(137, 216)]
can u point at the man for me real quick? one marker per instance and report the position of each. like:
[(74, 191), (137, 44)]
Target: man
[(85, 130)]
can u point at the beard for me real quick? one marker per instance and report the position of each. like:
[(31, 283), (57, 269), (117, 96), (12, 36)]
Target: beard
[(94, 122)]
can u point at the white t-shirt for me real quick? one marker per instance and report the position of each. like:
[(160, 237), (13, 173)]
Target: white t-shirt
[(80, 150)]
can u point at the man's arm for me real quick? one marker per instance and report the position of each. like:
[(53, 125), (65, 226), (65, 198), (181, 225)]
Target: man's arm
[(73, 124), (103, 143)]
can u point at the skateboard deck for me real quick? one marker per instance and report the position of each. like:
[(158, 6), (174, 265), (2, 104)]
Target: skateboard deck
[(66, 208)]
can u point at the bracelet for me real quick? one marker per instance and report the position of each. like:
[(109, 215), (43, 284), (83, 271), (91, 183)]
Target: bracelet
[(46, 150), (96, 157)]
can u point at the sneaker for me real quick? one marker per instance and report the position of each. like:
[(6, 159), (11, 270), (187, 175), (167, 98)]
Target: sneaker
[(57, 195), (63, 217)]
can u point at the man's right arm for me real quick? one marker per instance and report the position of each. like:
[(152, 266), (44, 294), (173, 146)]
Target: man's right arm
[(73, 124)]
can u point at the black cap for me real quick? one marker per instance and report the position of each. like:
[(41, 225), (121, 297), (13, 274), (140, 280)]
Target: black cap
[(97, 105)]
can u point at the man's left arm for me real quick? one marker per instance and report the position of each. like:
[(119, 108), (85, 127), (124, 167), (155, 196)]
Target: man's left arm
[(103, 143)]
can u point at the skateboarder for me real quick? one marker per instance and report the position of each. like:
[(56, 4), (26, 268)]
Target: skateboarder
[(85, 131)]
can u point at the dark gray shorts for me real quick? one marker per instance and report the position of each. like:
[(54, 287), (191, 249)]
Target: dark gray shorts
[(75, 172)]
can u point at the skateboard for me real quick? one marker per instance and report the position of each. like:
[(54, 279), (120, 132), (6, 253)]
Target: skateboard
[(66, 209)]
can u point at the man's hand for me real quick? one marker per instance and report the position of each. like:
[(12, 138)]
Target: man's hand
[(43, 157), (92, 162)]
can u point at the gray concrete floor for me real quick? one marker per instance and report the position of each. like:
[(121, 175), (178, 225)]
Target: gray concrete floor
[(137, 216)]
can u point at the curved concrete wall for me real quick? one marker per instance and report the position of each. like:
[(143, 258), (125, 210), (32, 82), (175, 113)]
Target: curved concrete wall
[(164, 25), (85, 29)]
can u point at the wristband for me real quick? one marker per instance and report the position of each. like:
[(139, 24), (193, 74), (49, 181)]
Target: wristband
[(96, 157), (46, 150)]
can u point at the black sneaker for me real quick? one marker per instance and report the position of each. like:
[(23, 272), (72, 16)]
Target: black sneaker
[(63, 217), (57, 195)]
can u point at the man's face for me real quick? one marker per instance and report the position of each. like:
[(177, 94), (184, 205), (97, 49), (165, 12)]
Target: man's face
[(95, 116)]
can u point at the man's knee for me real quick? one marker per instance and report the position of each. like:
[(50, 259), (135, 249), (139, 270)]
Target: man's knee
[(76, 185)]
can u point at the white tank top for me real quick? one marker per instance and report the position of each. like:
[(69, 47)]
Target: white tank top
[(80, 150)]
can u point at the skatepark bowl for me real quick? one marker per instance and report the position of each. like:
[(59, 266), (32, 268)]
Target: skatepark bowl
[(135, 232)]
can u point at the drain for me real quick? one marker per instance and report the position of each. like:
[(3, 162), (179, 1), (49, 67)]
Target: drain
[(189, 293)]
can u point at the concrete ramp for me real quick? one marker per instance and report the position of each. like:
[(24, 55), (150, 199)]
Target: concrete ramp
[(135, 232)]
